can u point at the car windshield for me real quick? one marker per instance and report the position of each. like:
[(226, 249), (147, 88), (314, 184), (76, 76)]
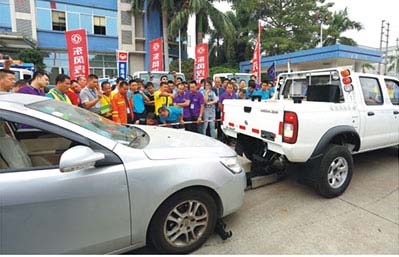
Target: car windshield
[(86, 119)]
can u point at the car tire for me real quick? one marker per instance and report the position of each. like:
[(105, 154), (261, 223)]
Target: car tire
[(175, 229), (335, 171)]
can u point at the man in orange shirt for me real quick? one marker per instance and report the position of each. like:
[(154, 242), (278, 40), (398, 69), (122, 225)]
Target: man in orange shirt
[(122, 107), (73, 92)]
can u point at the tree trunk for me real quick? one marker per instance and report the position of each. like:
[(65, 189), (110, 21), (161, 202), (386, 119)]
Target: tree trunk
[(200, 38), (200, 33), (165, 37)]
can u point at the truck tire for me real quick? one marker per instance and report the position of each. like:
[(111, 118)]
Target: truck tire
[(335, 171)]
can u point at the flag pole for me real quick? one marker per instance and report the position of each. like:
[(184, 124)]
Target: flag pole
[(260, 58)]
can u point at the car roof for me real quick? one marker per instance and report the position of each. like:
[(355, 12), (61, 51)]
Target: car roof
[(21, 99)]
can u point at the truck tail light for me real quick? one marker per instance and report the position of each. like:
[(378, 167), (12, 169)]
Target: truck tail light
[(290, 127), (345, 73), (347, 80)]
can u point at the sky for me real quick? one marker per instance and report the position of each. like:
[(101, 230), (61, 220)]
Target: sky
[(369, 14)]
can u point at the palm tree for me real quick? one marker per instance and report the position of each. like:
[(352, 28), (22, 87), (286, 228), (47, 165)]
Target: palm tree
[(204, 11), (338, 24), (166, 7)]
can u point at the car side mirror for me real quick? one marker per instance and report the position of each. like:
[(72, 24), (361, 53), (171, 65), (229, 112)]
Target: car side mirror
[(79, 157)]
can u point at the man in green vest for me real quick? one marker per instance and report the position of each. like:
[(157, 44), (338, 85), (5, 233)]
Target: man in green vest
[(62, 84)]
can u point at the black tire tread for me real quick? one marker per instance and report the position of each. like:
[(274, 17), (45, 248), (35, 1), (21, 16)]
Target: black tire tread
[(321, 185), (155, 231)]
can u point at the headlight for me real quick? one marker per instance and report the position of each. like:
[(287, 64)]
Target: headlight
[(231, 163)]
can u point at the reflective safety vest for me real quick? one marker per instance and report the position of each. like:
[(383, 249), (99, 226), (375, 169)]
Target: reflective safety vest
[(120, 110), (58, 96)]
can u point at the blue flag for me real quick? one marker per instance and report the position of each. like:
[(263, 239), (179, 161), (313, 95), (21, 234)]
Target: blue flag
[(271, 72)]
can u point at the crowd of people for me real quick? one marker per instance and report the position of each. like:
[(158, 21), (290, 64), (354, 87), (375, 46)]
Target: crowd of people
[(190, 105)]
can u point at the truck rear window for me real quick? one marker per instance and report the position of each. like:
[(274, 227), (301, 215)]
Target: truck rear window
[(315, 89)]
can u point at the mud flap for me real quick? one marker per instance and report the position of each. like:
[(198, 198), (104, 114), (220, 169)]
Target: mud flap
[(311, 173)]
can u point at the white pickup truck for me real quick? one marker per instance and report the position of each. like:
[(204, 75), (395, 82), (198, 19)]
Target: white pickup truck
[(319, 118)]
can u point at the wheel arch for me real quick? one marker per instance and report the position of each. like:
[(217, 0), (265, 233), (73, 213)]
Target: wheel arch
[(340, 135)]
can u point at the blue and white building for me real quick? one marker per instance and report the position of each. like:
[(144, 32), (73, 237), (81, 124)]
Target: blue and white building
[(320, 58), (110, 25)]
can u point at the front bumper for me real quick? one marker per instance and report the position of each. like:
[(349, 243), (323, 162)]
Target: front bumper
[(232, 193)]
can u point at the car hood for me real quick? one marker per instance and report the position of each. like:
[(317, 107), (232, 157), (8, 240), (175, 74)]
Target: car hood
[(168, 143)]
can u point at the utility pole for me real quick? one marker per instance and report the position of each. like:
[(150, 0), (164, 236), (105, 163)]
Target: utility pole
[(321, 32), (381, 40), (386, 51)]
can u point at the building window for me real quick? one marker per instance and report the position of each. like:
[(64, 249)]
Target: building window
[(99, 25), (59, 22)]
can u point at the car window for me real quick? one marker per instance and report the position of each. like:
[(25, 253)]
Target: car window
[(371, 91), (86, 119), (393, 91), (29, 148)]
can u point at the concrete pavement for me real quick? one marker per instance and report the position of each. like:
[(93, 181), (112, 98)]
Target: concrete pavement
[(290, 218)]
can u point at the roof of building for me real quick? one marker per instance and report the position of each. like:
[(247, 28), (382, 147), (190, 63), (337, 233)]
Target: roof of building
[(323, 57)]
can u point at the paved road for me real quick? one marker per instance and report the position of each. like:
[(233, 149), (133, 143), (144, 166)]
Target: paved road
[(290, 218)]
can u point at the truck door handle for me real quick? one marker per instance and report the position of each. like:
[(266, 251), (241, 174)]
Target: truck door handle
[(370, 113), (247, 109), (395, 112)]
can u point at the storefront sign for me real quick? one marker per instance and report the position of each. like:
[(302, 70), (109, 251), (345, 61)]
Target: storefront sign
[(77, 53)]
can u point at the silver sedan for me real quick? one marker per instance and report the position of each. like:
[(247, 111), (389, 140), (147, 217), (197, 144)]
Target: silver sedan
[(74, 182)]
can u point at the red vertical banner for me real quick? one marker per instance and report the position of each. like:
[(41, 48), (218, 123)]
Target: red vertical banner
[(156, 55), (78, 56), (201, 68), (256, 57)]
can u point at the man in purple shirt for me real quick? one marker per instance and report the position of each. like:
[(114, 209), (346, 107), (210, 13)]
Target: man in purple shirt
[(196, 107), (39, 81), (182, 100), (228, 94)]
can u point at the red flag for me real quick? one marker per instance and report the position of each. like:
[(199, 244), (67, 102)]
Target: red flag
[(156, 55), (78, 56), (256, 57), (201, 68)]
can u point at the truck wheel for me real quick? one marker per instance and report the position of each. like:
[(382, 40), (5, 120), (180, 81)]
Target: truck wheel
[(335, 171), (183, 222)]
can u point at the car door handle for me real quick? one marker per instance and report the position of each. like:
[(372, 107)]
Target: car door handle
[(370, 113), (395, 112)]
